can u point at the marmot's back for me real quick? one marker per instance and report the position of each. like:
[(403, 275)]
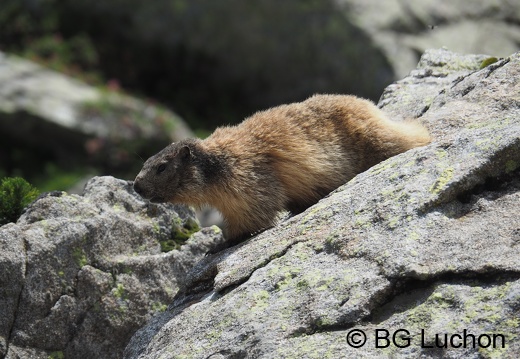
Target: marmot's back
[(317, 145), (287, 157)]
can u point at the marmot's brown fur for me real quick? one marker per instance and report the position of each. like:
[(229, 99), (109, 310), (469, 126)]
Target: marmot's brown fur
[(284, 158)]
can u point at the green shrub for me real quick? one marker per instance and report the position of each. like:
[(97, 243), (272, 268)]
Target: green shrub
[(15, 195)]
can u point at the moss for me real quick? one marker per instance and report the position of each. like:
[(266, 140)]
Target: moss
[(119, 291), (56, 355), (487, 62), (159, 307), (156, 228), (180, 233), (79, 257)]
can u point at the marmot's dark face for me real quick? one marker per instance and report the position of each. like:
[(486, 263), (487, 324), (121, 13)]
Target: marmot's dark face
[(163, 175)]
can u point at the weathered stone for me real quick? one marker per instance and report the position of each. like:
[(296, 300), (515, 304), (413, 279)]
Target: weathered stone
[(12, 269), (424, 241), (403, 30), (427, 241), (81, 273)]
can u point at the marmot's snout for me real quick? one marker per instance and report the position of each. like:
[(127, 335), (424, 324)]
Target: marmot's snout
[(146, 193), (138, 188)]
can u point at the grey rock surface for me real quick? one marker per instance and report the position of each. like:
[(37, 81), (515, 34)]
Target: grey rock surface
[(403, 30), (48, 110), (81, 273), (426, 241)]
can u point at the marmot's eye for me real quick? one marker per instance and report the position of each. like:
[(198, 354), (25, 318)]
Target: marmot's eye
[(161, 168)]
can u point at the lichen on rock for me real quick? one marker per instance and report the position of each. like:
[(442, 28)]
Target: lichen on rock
[(86, 271), (426, 241)]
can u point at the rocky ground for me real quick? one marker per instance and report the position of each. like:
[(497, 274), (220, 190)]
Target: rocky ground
[(80, 274), (424, 245), (419, 247)]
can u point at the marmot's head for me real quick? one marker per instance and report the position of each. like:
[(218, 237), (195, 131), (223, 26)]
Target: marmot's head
[(170, 174)]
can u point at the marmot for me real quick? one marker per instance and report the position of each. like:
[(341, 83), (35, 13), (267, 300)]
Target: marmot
[(284, 158)]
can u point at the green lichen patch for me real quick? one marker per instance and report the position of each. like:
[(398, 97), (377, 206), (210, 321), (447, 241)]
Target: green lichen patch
[(383, 166), (442, 181), (452, 309), (180, 233), (79, 257), (260, 300)]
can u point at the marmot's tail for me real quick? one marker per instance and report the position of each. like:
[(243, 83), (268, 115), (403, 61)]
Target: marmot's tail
[(414, 134)]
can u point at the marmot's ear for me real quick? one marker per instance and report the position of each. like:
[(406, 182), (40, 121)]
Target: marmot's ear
[(184, 152)]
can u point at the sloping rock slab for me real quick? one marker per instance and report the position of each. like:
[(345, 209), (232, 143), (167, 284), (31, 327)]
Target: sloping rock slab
[(427, 241), (80, 274)]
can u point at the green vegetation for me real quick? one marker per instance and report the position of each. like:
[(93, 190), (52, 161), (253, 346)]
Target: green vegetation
[(119, 291), (56, 355), (488, 61), (159, 307), (79, 256), (179, 234), (15, 194)]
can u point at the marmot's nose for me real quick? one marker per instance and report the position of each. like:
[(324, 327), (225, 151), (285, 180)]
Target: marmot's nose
[(138, 188)]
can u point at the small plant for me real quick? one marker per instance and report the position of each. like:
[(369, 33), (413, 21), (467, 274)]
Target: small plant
[(15, 194), (487, 62)]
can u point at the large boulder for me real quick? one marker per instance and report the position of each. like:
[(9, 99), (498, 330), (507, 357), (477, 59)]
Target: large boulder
[(56, 118), (81, 273), (421, 249), (403, 30)]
